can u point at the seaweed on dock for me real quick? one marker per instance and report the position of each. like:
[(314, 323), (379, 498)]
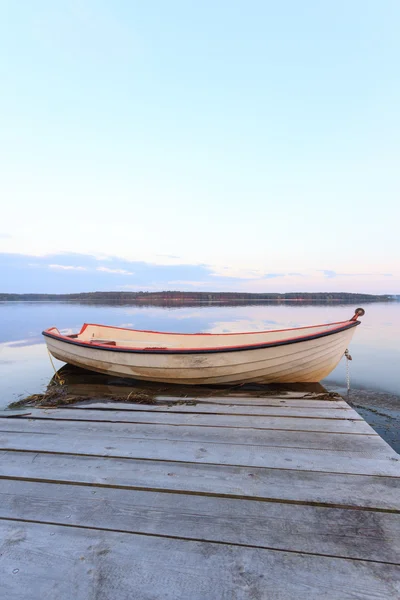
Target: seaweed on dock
[(58, 395)]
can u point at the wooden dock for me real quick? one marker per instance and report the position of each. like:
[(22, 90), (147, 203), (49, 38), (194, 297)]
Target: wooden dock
[(234, 497)]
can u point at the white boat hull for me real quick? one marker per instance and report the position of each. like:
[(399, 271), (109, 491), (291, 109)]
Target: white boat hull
[(308, 360)]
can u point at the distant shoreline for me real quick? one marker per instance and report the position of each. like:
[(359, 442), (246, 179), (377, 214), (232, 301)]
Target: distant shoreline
[(188, 298)]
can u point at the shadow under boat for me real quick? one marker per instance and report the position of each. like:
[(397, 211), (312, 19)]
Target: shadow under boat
[(88, 384)]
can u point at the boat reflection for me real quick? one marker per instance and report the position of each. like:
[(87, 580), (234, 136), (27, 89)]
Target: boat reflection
[(88, 384)]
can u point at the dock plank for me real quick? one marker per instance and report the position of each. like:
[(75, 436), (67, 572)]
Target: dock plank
[(270, 525), (278, 411), (342, 490), (65, 562), (340, 441)]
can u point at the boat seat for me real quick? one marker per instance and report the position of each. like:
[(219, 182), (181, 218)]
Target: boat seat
[(145, 344)]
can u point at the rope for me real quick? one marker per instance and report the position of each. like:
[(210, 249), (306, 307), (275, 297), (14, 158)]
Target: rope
[(348, 359), (59, 379)]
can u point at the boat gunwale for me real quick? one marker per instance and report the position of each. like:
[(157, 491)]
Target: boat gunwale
[(343, 326)]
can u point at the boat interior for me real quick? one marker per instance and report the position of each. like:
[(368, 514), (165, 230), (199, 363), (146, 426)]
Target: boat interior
[(131, 338)]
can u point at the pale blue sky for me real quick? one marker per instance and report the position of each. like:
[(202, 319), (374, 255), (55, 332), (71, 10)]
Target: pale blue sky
[(228, 145)]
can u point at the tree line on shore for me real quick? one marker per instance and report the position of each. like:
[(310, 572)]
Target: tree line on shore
[(184, 297)]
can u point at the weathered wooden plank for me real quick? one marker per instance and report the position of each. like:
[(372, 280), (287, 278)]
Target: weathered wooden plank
[(295, 401), (289, 411), (49, 561), (100, 444), (204, 434), (235, 421), (263, 483), (358, 534), (94, 418)]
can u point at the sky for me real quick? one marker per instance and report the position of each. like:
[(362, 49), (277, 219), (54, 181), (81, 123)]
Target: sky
[(214, 145)]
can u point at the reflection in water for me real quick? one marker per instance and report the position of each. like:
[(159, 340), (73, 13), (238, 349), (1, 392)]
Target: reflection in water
[(20, 343), (81, 382)]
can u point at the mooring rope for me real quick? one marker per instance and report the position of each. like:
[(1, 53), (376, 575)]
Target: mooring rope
[(59, 379), (348, 359)]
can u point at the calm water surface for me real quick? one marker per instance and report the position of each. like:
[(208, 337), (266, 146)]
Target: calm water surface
[(25, 367)]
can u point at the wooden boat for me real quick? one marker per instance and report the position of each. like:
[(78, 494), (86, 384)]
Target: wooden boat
[(304, 354)]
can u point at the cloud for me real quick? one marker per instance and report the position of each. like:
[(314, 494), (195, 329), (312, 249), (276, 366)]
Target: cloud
[(328, 273), (71, 272), (243, 274), (67, 268), (116, 271), (49, 274), (331, 274), (4, 236)]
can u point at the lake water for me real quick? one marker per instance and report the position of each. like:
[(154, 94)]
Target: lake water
[(25, 367)]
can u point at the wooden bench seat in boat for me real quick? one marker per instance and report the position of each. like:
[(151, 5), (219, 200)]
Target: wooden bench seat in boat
[(130, 343)]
